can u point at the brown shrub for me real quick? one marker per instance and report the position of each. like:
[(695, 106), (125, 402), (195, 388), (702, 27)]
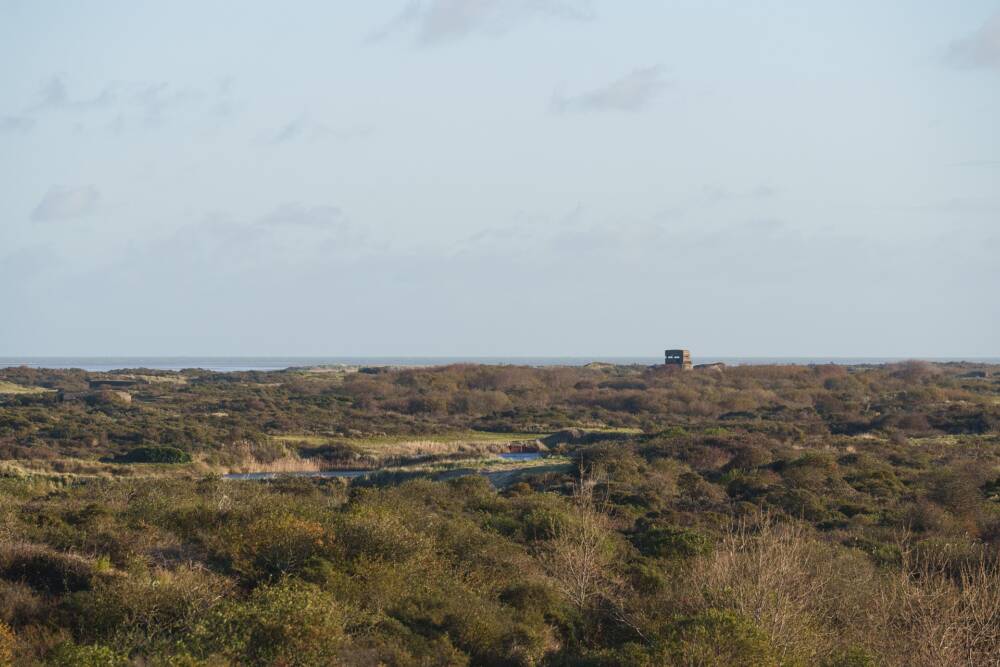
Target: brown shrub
[(19, 604), (7, 644), (815, 600), (44, 569)]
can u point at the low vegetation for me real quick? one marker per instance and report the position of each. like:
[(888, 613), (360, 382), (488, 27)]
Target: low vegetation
[(154, 454), (12, 388), (755, 516)]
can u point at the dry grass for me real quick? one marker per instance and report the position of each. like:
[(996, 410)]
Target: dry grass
[(65, 471), (175, 379), (284, 464), (11, 388), (378, 448), (778, 577), (813, 600), (940, 619)]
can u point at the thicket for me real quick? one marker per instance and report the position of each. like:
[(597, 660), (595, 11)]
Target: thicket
[(220, 415), (784, 516), (154, 454)]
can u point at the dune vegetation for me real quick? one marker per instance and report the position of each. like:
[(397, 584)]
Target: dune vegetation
[(770, 515)]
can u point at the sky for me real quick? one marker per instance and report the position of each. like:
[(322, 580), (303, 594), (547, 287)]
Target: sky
[(500, 177)]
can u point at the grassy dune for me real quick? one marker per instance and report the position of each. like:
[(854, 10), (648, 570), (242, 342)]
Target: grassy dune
[(11, 388)]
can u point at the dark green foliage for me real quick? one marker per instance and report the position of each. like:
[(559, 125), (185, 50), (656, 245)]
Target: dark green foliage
[(152, 454), (44, 569), (69, 654), (716, 637), (670, 541)]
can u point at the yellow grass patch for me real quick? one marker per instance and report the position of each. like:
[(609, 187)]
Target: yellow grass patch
[(385, 446), (284, 464), (11, 388)]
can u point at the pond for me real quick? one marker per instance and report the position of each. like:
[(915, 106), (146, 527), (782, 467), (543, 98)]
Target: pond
[(275, 475), (520, 456)]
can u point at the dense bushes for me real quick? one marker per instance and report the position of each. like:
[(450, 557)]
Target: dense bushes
[(609, 569), (216, 414), (44, 569), (288, 623), (728, 524), (154, 455)]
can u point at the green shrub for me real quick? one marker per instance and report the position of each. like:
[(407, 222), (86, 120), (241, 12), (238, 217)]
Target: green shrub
[(154, 454), (378, 532), (720, 638), (853, 657), (72, 655), (672, 542), (147, 605), (272, 545), (289, 623)]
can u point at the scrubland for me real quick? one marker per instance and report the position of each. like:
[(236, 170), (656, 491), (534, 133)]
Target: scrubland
[(776, 515)]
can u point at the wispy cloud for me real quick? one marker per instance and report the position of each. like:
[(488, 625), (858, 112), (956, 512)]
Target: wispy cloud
[(981, 49), (308, 129), (439, 21), (716, 194), (290, 235), (54, 95), (155, 100), (632, 92), (295, 214), (151, 103), (16, 124), (63, 203)]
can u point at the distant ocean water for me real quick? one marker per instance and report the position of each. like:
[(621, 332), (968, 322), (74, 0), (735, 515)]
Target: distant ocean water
[(224, 364)]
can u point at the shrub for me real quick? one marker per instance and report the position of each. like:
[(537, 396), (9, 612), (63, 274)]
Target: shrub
[(149, 605), (288, 623), (44, 569), (377, 532), (72, 655), (7, 644), (749, 457), (19, 604), (672, 542), (154, 454), (785, 582), (853, 657), (957, 491), (273, 546), (716, 637)]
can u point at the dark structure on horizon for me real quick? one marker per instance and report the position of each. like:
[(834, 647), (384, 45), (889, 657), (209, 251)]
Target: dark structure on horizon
[(681, 358)]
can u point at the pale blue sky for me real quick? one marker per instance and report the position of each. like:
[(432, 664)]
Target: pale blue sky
[(491, 177)]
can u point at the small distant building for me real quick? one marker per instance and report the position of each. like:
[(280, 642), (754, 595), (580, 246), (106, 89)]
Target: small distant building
[(680, 358)]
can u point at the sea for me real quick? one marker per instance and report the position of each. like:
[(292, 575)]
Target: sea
[(231, 364)]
